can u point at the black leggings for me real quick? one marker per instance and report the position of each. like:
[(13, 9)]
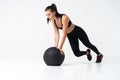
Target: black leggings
[(79, 33)]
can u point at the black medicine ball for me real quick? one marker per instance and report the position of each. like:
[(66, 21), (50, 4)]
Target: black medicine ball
[(53, 57)]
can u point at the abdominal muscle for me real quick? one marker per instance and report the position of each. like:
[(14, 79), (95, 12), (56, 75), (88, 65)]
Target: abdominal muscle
[(71, 28)]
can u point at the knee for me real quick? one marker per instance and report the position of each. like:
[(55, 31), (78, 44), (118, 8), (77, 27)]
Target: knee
[(77, 53)]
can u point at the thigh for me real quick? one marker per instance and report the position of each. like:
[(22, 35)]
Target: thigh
[(74, 43), (81, 34)]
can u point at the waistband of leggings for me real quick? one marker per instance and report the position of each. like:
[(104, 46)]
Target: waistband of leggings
[(72, 30)]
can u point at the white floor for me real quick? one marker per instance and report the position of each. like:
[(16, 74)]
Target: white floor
[(24, 35), (74, 70)]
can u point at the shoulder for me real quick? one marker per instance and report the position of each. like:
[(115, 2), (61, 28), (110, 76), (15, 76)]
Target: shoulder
[(65, 17)]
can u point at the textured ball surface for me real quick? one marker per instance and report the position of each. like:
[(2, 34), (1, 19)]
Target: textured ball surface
[(53, 57)]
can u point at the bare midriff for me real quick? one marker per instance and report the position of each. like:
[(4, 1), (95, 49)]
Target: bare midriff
[(71, 28)]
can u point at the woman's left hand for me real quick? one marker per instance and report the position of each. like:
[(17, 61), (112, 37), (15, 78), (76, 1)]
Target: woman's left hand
[(61, 51)]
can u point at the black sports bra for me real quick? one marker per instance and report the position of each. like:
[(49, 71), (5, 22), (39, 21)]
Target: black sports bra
[(69, 23)]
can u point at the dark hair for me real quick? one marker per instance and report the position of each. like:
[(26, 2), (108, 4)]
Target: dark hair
[(52, 7)]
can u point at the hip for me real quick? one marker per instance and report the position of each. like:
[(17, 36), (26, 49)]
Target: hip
[(75, 31)]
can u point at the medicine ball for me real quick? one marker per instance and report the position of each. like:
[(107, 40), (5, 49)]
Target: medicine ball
[(53, 57)]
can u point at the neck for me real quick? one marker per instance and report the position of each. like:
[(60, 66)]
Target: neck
[(55, 18)]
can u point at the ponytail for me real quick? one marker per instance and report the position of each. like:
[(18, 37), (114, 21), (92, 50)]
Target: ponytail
[(52, 8)]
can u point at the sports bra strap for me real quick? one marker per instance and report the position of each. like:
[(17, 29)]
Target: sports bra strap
[(69, 23), (56, 25)]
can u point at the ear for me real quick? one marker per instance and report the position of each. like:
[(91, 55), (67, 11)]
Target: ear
[(54, 12)]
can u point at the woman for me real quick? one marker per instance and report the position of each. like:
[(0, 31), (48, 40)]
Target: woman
[(73, 32)]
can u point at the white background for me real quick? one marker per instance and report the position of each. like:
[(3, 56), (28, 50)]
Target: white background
[(25, 34)]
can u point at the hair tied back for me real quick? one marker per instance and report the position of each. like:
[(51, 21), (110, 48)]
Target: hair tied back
[(53, 6)]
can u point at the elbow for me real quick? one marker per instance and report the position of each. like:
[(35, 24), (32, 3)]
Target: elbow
[(64, 33)]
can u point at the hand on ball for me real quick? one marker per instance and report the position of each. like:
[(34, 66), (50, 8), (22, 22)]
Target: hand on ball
[(61, 51)]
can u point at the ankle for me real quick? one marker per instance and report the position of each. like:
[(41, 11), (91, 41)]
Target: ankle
[(99, 54), (87, 51)]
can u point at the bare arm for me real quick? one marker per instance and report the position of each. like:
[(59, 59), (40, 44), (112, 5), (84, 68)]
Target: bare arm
[(56, 34), (64, 31)]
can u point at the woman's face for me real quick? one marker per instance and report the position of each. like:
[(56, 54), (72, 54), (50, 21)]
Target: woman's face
[(50, 15)]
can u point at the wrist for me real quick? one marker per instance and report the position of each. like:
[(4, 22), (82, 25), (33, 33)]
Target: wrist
[(55, 45), (60, 47)]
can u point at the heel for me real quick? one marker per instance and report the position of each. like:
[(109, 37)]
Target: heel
[(89, 57), (99, 58)]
